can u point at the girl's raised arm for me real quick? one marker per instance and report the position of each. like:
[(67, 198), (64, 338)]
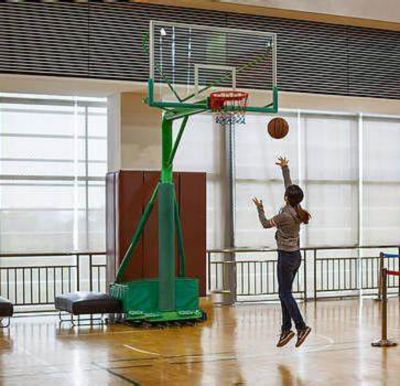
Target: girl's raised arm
[(283, 162)]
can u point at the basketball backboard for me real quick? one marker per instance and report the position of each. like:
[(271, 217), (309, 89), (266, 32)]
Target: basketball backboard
[(188, 62)]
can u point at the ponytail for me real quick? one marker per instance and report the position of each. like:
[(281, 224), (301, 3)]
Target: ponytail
[(302, 214), (294, 195)]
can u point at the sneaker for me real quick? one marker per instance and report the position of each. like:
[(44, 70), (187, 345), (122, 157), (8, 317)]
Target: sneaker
[(302, 335), (285, 337)]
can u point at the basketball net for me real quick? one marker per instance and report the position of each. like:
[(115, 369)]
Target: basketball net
[(229, 107)]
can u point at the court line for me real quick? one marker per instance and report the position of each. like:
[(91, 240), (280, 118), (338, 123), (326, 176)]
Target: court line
[(199, 355), (130, 366), (130, 381), (206, 361), (89, 333), (313, 349), (130, 359), (329, 339), (141, 351)]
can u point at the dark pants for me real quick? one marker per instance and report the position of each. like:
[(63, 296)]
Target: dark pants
[(288, 265)]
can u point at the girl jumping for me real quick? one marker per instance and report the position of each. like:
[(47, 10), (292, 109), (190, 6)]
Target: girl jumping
[(287, 238)]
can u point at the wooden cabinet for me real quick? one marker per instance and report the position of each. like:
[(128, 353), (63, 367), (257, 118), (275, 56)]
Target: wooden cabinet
[(127, 194)]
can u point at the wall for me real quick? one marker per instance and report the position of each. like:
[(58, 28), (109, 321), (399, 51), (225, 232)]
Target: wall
[(339, 103), (385, 10), (202, 144), (140, 133), (135, 144), (330, 183), (93, 40)]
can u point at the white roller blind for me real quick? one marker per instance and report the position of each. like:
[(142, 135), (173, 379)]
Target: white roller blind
[(202, 150), (322, 150), (53, 154), (258, 176), (381, 205), (330, 158)]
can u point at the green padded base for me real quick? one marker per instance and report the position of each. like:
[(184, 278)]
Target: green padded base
[(140, 300), (166, 316)]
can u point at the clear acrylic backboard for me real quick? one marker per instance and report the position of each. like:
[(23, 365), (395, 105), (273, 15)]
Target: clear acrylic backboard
[(189, 62)]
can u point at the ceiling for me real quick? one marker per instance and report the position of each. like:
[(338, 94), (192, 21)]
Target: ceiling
[(382, 10)]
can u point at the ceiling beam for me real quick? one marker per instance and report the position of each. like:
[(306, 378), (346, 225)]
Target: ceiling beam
[(216, 5)]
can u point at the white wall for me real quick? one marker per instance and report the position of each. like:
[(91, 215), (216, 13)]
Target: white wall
[(135, 134), (140, 133), (323, 149)]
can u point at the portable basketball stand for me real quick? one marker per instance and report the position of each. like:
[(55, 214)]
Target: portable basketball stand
[(171, 298)]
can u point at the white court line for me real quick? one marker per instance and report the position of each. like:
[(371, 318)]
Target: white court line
[(330, 343), (329, 339), (102, 333), (141, 351)]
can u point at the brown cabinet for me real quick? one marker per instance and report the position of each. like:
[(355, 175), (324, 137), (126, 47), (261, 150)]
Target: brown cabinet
[(127, 194)]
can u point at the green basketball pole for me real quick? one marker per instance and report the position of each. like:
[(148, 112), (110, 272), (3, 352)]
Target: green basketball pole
[(166, 223), (170, 297)]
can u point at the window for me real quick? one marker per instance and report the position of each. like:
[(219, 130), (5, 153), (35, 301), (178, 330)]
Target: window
[(347, 165), (53, 160)]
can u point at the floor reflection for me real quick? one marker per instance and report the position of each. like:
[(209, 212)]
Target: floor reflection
[(236, 346), (287, 378)]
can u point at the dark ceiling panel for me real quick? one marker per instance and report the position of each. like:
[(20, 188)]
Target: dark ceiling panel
[(48, 39), (104, 40)]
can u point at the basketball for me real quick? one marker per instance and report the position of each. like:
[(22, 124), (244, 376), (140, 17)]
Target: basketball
[(278, 128)]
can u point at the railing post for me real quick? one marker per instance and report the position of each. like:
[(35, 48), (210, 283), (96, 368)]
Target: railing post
[(398, 268), (381, 266), (384, 342), (209, 270), (78, 279), (384, 303), (315, 274), (305, 275), (232, 280), (90, 273), (359, 271)]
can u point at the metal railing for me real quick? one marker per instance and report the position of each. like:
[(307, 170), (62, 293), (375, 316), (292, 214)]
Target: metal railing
[(326, 272), (255, 277), (31, 281)]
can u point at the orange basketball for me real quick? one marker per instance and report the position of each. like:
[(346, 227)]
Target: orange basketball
[(278, 128)]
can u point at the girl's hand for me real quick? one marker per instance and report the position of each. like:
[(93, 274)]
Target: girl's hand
[(282, 162), (258, 203)]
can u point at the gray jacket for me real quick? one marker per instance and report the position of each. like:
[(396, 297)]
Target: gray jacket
[(287, 223)]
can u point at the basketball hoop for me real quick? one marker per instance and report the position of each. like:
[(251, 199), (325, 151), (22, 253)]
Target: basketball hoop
[(229, 106)]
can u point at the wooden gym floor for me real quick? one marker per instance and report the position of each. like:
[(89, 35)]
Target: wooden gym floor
[(235, 347)]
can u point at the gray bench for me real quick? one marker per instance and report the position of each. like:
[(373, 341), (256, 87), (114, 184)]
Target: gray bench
[(86, 303), (6, 312)]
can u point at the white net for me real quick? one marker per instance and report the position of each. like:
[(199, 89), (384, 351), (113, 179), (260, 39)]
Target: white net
[(229, 107)]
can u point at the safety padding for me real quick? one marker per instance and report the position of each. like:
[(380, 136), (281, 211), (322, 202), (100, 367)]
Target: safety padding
[(6, 308), (81, 303)]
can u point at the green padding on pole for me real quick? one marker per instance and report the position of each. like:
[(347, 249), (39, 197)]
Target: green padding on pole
[(166, 241), (166, 147), (136, 237), (275, 99), (181, 250)]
